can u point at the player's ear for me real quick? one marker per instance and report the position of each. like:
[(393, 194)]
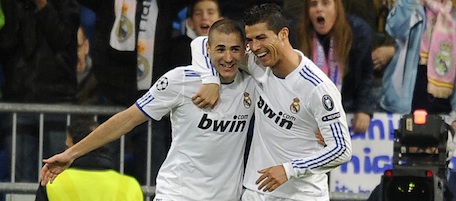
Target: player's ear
[(283, 33)]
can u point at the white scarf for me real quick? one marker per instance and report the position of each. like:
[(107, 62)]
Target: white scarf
[(123, 35)]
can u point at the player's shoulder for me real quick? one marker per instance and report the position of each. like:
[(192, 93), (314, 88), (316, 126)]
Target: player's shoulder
[(311, 79), (179, 76), (199, 42), (245, 78), (182, 72), (309, 74), (244, 75)]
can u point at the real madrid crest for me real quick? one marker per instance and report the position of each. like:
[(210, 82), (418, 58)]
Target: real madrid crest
[(295, 107), (327, 102), (443, 59), (247, 100), (125, 29), (144, 67)]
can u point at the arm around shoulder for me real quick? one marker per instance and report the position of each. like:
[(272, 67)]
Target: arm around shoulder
[(208, 94)]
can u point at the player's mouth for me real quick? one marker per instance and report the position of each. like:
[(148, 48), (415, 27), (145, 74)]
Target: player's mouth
[(227, 66), (261, 54)]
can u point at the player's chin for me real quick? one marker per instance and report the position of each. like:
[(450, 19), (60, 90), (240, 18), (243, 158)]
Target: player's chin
[(228, 75)]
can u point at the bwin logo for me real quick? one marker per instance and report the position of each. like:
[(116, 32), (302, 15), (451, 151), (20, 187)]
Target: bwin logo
[(267, 111), (222, 125)]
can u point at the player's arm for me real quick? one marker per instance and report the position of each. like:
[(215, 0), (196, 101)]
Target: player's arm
[(157, 102), (326, 105), (201, 63), (118, 125), (208, 93), (334, 137)]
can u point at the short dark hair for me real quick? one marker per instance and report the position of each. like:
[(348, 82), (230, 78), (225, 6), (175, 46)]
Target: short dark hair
[(227, 26), (269, 13), (79, 129)]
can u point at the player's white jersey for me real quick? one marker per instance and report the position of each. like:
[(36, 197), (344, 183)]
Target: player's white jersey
[(205, 161), (288, 113)]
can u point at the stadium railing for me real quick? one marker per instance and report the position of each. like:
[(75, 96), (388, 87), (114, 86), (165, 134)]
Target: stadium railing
[(72, 111)]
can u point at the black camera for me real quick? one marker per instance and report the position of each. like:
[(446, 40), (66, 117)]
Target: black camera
[(419, 160)]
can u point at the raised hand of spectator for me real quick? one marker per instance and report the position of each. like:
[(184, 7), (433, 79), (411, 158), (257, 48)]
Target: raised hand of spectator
[(360, 122)]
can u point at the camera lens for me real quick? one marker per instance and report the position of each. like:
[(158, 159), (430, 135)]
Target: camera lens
[(409, 189)]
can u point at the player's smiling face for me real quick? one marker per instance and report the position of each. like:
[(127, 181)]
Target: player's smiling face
[(264, 43), (204, 15), (226, 52), (322, 15)]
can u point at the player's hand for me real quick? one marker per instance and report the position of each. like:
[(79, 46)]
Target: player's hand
[(320, 138), (206, 96), (271, 178), (361, 122), (53, 167)]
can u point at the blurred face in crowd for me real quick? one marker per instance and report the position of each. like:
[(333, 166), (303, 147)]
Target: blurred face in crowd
[(226, 52), (205, 13), (322, 15), (265, 43)]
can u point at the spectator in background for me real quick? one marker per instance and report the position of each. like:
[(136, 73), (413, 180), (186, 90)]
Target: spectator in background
[(123, 66), (200, 16), (90, 177), (337, 43), (38, 54), (381, 42), (361, 8), (86, 78), (381, 57), (421, 72)]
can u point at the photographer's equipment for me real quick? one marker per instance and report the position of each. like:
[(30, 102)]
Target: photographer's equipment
[(419, 160)]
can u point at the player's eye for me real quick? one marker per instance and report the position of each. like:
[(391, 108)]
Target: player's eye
[(236, 49)]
